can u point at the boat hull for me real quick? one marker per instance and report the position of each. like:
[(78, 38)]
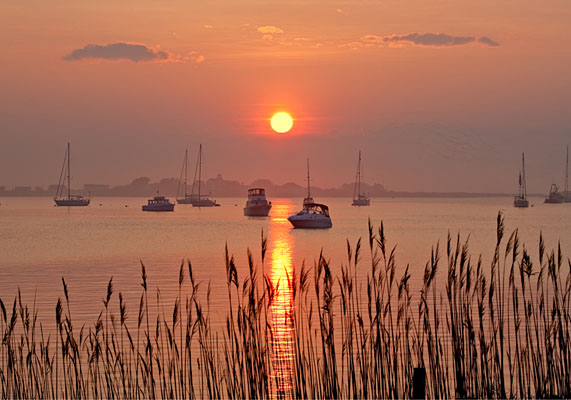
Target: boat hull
[(72, 202), (204, 203), (554, 200), (184, 201), (310, 221), (361, 202), (521, 203), (257, 211), (159, 208)]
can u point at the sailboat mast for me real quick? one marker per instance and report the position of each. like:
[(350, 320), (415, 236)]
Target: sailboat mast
[(359, 175), (68, 173), (308, 190), (199, 169), (185, 169), (567, 175), (524, 188)]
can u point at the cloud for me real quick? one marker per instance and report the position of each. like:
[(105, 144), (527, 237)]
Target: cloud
[(420, 39), (208, 26), (118, 51), (270, 30), (136, 52), (430, 39), (489, 42)]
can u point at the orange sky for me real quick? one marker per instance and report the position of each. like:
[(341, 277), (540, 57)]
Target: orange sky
[(439, 95)]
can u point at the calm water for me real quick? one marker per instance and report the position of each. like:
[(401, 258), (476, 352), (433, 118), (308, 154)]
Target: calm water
[(40, 243)]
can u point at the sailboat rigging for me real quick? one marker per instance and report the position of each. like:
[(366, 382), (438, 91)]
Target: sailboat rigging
[(187, 199), (359, 199), (69, 200), (520, 200), (199, 199)]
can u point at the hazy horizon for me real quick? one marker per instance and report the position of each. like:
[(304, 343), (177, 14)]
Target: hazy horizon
[(440, 96)]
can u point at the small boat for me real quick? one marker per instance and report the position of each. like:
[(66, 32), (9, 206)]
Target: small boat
[(198, 199), (359, 199), (257, 204), (312, 215), (159, 203), (554, 196), (520, 200), (70, 200)]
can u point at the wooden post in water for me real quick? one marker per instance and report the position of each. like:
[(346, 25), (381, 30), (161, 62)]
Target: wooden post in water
[(419, 383)]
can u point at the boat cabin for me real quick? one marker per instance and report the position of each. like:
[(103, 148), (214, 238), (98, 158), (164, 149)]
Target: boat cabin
[(315, 208), (256, 192), (158, 200)]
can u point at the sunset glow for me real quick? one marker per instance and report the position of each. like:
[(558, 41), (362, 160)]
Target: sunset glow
[(281, 122)]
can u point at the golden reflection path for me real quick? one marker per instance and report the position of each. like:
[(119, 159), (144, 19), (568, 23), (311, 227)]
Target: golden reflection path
[(281, 248)]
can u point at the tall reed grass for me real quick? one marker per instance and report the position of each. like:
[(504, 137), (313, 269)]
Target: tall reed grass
[(496, 332)]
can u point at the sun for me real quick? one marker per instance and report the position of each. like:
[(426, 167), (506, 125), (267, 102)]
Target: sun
[(281, 122)]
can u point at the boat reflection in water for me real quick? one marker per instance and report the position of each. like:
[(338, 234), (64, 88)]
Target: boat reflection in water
[(282, 272)]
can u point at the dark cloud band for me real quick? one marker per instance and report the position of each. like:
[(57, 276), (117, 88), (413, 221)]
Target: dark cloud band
[(118, 51)]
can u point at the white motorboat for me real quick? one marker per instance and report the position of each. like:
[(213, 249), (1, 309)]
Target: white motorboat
[(312, 215), (257, 205), (69, 200), (520, 201), (159, 203), (359, 199)]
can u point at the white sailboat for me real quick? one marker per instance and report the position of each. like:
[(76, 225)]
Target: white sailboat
[(520, 200), (69, 200), (199, 199), (187, 199), (359, 199), (312, 215)]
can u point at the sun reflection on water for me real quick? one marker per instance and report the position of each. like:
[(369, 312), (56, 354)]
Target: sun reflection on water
[(281, 248)]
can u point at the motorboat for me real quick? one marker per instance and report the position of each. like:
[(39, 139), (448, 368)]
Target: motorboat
[(520, 201), (159, 203), (70, 200), (359, 199), (257, 205), (312, 215)]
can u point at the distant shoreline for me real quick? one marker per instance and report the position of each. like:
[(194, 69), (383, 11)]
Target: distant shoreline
[(8, 194)]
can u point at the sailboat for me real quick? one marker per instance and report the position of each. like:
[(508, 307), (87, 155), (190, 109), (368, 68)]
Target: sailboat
[(555, 196), (520, 200), (199, 199), (187, 199), (359, 199), (312, 215), (69, 200)]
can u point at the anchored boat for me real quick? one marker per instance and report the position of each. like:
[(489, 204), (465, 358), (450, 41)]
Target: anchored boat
[(520, 200), (69, 200), (257, 205), (312, 215), (359, 199)]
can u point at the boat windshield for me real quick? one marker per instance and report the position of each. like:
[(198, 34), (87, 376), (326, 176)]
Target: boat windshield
[(256, 192), (315, 208)]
